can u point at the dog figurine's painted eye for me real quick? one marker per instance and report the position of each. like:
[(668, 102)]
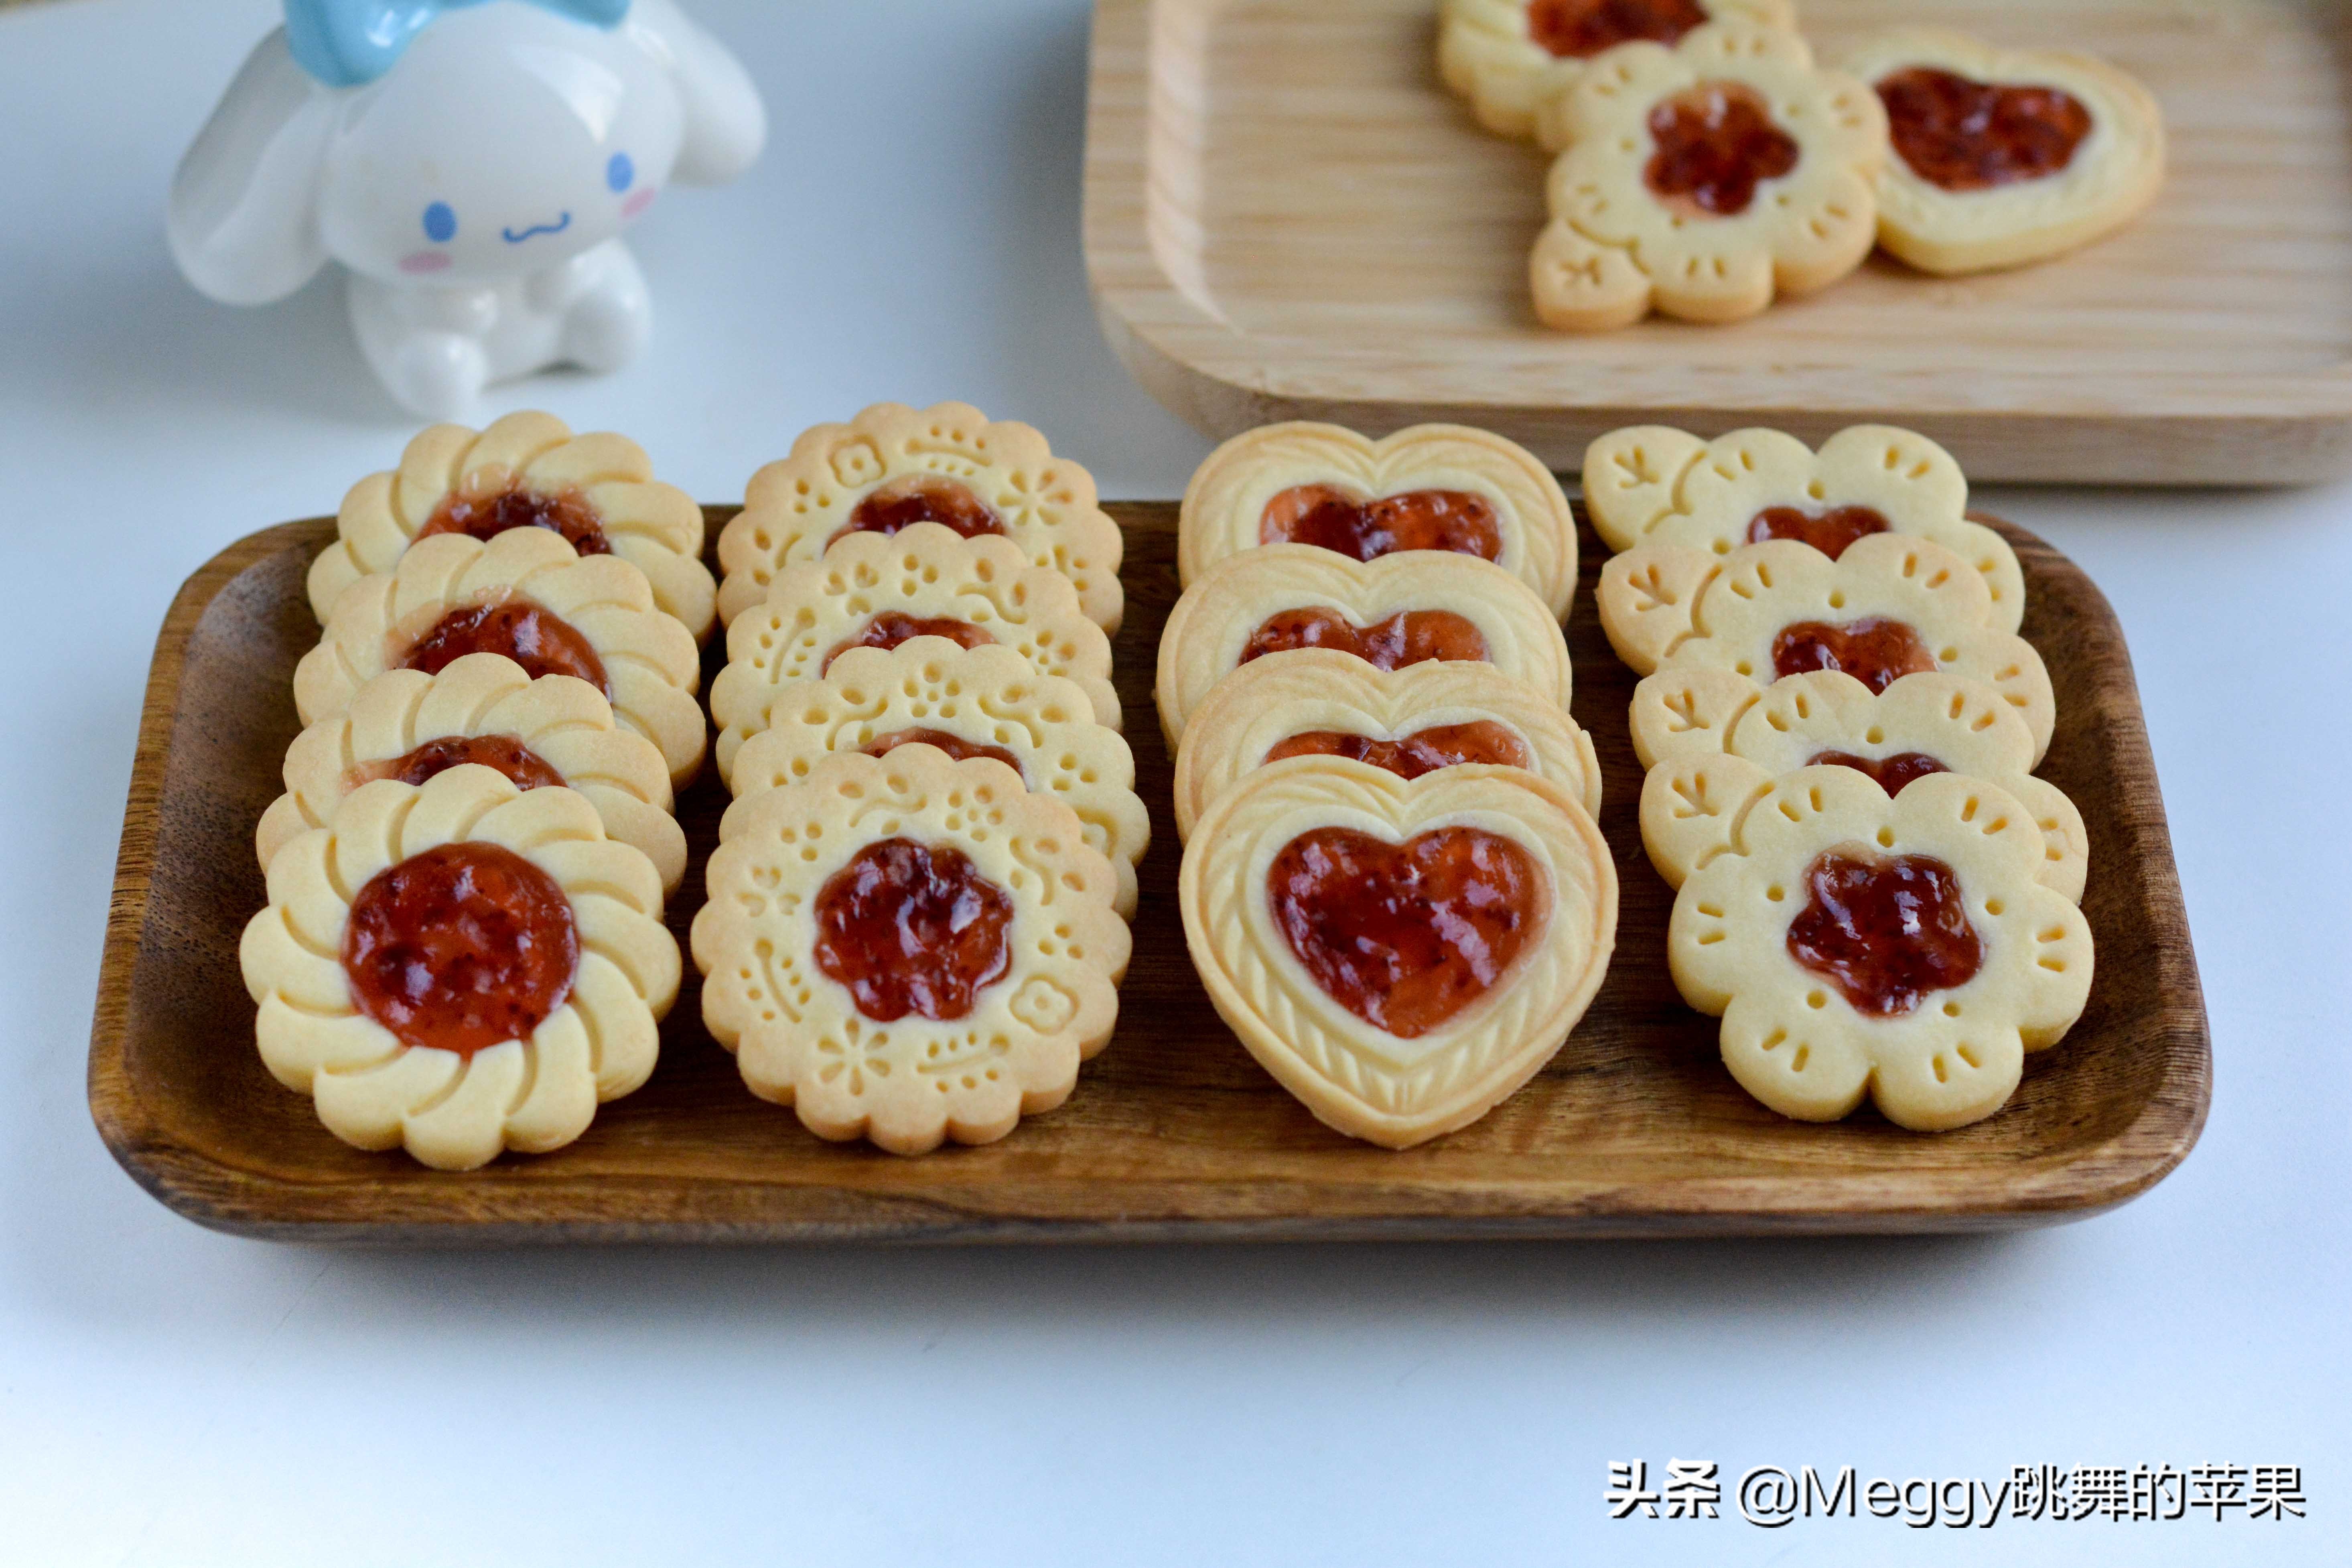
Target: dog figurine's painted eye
[(440, 223), (621, 173)]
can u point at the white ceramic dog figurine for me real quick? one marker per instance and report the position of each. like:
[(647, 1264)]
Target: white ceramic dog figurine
[(473, 166)]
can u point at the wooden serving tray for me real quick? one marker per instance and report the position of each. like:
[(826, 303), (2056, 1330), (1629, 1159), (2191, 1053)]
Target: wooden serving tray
[(1635, 1129), (1288, 216)]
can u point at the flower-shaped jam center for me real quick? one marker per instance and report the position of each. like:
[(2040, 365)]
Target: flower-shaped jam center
[(1716, 143), (1578, 29), (504, 754), (913, 927), (535, 637), (1408, 637), (485, 515), (1875, 650), (1405, 935), (1890, 773), (1965, 135), (921, 498), (1828, 532), (956, 748), (891, 628), (461, 948), (1886, 930), (1409, 756), (1333, 518)]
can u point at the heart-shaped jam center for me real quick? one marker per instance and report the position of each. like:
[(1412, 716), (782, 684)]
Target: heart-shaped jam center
[(1409, 756), (956, 748), (502, 753), (1886, 930), (921, 498), (1828, 532), (1406, 935), (461, 948), (1716, 143), (1332, 519), (1408, 637), (1966, 135), (1875, 651), (1578, 29), (913, 927), (891, 628), (487, 514), (1891, 774), (536, 639)]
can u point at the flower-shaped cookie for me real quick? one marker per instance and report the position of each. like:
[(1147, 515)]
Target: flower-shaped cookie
[(1391, 612), (408, 725), (1891, 606), (461, 968), (1901, 948), (1652, 485), (968, 703), (526, 596), (1432, 487), (1401, 954), (2005, 157), (1317, 702), (893, 465), (527, 470), (1702, 179), (1507, 56), (1716, 743), (909, 949)]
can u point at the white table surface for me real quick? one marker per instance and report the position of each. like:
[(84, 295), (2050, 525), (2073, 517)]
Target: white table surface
[(171, 1396)]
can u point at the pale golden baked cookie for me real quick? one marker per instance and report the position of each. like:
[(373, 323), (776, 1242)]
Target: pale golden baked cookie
[(1401, 955), (1652, 210), (484, 709), (1400, 610), (526, 596), (1891, 606), (1411, 721), (909, 949), (527, 470), (2005, 157), (461, 968), (1649, 484), (1715, 741), (1507, 56), (893, 465), (1854, 945), (977, 701), (1431, 487)]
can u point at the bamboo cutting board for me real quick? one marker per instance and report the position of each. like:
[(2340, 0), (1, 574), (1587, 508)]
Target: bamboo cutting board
[(1288, 216)]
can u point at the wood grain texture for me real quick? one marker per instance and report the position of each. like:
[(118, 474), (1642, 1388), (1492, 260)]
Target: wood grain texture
[(1174, 1133), (1287, 217)]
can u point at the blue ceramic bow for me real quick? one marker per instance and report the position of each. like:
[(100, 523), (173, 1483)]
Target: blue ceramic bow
[(349, 43)]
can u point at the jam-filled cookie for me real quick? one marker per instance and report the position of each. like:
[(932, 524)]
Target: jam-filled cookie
[(1652, 485), (1715, 741), (1891, 606), (1401, 954), (967, 702), (2005, 157), (1432, 487), (460, 967), (1391, 612), (1703, 180), (524, 595), (407, 725), (1507, 56), (909, 949), (527, 470), (1901, 948), (894, 466), (1315, 702)]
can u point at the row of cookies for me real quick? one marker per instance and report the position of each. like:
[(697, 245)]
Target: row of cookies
[(1393, 887)]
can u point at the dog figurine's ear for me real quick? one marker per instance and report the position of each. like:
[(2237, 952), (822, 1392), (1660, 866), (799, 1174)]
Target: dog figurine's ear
[(726, 125), (243, 221)]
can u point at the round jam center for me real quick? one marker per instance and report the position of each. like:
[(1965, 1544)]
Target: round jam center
[(921, 498), (1875, 651), (461, 948), (539, 639), (1965, 135), (1330, 517), (1828, 532), (892, 628), (910, 928), (956, 748), (565, 511), (1577, 29), (1409, 756), (1891, 773), (504, 754), (1885, 931), (1716, 143), (1408, 637)]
